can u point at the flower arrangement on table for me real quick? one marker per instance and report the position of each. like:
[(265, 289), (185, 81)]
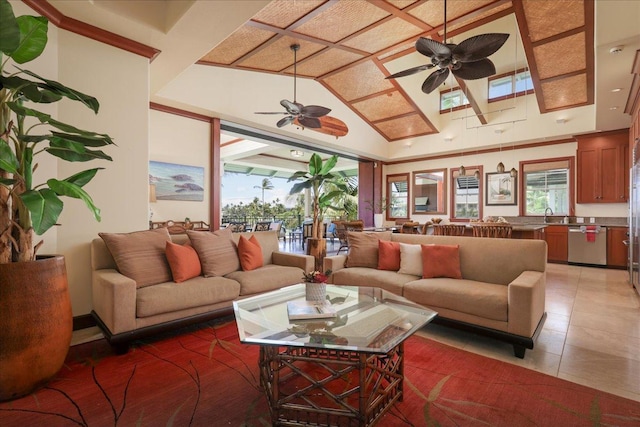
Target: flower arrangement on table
[(316, 276)]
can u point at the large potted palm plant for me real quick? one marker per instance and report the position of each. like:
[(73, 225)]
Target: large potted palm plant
[(316, 179), (35, 308)]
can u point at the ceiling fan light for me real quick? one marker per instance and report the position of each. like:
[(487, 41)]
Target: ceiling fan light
[(500, 167)]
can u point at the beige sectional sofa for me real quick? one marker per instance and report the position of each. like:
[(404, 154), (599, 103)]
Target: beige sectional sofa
[(129, 308), (501, 293)]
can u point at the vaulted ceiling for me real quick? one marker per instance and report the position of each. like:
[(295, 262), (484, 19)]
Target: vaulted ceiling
[(348, 45)]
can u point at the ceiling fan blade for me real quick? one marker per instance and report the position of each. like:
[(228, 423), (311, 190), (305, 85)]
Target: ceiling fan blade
[(476, 70), (285, 121), (292, 108), (434, 80), (410, 71), (270, 112), (430, 47), (309, 122), (314, 111), (479, 47)]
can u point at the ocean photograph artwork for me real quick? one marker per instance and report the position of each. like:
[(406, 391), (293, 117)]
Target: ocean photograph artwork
[(177, 182)]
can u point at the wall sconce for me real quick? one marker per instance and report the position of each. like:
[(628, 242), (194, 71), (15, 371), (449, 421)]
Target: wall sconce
[(296, 153)]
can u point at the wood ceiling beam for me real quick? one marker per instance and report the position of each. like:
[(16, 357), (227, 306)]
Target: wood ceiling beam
[(472, 101), (399, 13)]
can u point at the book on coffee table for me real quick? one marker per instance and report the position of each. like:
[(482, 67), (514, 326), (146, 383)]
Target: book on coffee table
[(300, 310)]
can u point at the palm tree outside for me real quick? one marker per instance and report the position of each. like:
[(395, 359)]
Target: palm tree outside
[(266, 185)]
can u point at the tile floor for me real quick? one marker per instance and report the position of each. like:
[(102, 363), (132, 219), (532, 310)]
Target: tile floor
[(591, 335)]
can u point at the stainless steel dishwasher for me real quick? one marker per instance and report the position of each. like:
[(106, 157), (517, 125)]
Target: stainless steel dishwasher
[(588, 245)]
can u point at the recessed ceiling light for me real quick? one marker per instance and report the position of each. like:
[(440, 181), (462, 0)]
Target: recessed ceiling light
[(615, 107), (297, 153), (616, 49), (618, 89)]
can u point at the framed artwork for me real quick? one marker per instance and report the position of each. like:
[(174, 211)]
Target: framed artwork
[(177, 182), (501, 189)]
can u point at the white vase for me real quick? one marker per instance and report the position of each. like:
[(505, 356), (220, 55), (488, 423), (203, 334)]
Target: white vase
[(378, 219), (315, 291)]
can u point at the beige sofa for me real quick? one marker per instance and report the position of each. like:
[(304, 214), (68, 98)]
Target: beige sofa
[(501, 293), (126, 311)]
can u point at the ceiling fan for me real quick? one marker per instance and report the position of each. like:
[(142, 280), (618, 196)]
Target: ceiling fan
[(306, 116), (467, 60)]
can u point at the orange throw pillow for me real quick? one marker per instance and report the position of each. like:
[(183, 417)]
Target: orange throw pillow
[(250, 253), (183, 261), (388, 255), (441, 261)]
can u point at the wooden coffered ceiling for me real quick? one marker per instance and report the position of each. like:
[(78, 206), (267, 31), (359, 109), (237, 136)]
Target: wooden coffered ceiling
[(346, 44)]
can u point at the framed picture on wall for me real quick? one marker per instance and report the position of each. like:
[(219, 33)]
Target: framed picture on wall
[(177, 182), (501, 189)]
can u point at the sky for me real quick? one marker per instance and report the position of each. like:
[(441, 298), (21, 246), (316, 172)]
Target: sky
[(238, 188)]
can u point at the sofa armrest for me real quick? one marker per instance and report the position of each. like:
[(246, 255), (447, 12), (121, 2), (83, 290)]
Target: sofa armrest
[(334, 263), (305, 262), (526, 298), (114, 300)]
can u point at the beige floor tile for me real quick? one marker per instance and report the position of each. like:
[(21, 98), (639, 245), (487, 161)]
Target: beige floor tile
[(620, 321), (606, 342), (601, 369), (597, 385), (551, 341), (557, 322), (86, 335)]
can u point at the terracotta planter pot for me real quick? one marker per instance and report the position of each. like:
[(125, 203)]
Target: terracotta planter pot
[(35, 324)]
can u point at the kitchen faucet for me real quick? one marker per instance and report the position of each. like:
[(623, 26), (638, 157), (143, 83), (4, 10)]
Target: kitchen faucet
[(545, 214)]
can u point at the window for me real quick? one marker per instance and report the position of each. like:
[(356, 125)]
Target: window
[(547, 184), (398, 191), (451, 100), (508, 85), (466, 194), (430, 191)]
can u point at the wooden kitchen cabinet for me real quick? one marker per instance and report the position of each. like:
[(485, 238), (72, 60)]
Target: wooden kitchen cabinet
[(616, 250), (603, 167), (557, 237)]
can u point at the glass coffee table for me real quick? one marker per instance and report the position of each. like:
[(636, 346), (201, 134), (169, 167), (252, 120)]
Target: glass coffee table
[(345, 370)]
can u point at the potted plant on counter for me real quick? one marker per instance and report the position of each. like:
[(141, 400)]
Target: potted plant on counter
[(35, 308), (316, 179), (379, 207)]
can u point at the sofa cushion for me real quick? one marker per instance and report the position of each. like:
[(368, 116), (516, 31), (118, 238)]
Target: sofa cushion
[(266, 278), (481, 299), (217, 252), (388, 255), (268, 241), (250, 253), (361, 276), (183, 261), (410, 259), (140, 255), (198, 291), (363, 248), (441, 261)]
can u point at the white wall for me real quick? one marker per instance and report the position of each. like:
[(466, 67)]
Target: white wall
[(510, 159), (120, 82), (176, 139)]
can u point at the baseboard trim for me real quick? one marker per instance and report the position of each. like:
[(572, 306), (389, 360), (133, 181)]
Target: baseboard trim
[(83, 322)]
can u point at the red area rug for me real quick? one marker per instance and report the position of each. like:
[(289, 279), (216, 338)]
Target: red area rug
[(205, 377)]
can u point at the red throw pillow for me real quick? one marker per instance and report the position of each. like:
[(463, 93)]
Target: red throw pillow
[(250, 253), (183, 261), (388, 255), (441, 261)]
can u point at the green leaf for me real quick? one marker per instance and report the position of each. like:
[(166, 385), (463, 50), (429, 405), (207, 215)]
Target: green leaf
[(24, 111), (67, 92), (86, 140), (315, 164), (27, 162), (45, 208), (82, 178), (300, 186), (298, 175), (328, 165), (74, 151), (7, 181), (69, 189), (8, 159), (33, 38), (9, 29)]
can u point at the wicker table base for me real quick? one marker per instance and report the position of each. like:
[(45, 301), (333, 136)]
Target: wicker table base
[(330, 387)]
